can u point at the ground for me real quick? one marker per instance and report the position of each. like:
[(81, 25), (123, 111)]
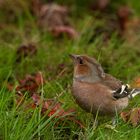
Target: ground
[(119, 56)]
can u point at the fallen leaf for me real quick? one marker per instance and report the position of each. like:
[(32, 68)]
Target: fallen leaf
[(136, 83), (125, 116), (68, 30), (36, 99), (10, 86), (19, 99), (77, 122), (36, 6), (39, 78), (133, 116), (53, 15), (123, 14), (31, 83), (100, 5), (52, 107), (132, 31), (25, 51), (54, 18)]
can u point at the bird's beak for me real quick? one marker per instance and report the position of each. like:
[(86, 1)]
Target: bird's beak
[(73, 56)]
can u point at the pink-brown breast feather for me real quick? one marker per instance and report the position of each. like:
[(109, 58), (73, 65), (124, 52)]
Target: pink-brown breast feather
[(111, 82), (94, 97)]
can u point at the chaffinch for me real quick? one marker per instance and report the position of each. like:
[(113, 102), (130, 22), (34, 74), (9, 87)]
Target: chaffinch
[(96, 91)]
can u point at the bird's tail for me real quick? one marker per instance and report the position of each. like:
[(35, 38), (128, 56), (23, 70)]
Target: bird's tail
[(134, 92), (126, 91)]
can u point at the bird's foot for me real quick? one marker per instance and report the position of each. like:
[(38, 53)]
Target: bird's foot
[(114, 121), (95, 123)]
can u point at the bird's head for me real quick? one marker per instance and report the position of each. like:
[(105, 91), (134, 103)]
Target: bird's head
[(87, 69)]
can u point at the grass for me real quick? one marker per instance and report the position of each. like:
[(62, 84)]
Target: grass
[(118, 58)]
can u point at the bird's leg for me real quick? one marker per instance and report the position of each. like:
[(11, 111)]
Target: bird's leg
[(114, 121), (95, 123), (113, 126)]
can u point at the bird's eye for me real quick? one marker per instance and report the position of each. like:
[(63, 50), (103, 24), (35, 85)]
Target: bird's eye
[(80, 60)]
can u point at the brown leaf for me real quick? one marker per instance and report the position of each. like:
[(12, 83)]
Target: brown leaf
[(52, 15), (19, 98), (30, 83), (123, 14), (132, 31), (133, 116), (25, 51), (136, 83), (36, 99), (68, 30), (39, 78), (78, 122), (51, 106), (54, 18), (36, 6), (125, 116), (100, 5), (10, 86)]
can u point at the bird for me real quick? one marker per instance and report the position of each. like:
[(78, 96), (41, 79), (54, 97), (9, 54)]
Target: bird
[(96, 91)]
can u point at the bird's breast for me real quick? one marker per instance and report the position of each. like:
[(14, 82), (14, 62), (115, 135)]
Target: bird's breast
[(96, 97)]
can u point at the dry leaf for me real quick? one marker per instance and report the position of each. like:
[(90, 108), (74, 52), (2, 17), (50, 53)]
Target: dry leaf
[(54, 18), (10, 86), (133, 116), (36, 7), (136, 83), (53, 15), (52, 107), (68, 30), (123, 14), (132, 32), (19, 98), (25, 50), (100, 5), (30, 83), (125, 116)]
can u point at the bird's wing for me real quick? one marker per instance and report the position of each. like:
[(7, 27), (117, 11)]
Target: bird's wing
[(112, 82), (119, 90), (126, 91)]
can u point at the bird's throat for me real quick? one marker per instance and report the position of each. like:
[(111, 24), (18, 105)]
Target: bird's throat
[(88, 79)]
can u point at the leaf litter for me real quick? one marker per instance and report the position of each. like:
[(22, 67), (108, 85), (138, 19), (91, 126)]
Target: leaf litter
[(25, 51), (132, 116), (30, 84), (54, 18)]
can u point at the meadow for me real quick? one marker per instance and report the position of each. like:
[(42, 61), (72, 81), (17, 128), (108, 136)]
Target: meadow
[(20, 117)]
